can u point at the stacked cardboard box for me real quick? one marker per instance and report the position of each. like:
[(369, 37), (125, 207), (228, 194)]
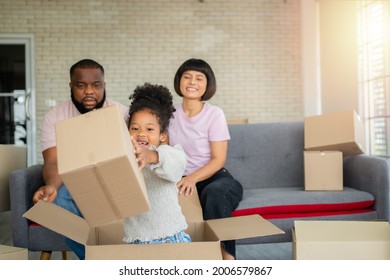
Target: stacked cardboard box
[(96, 162), (327, 138)]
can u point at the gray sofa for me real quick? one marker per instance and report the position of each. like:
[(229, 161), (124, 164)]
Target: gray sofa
[(267, 158), (22, 185)]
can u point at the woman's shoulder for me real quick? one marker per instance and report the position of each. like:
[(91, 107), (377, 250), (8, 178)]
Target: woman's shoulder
[(210, 109)]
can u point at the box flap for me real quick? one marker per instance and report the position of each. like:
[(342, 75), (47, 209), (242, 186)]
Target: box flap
[(92, 137), (127, 190), (110, 234), (240, 227), (191, 208), (113, 185), (59, 220), (166, 251)]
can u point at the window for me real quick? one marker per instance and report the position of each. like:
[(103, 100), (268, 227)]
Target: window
[(374, 73)]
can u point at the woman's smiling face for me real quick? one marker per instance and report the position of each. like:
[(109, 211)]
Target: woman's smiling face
[(193, 84)]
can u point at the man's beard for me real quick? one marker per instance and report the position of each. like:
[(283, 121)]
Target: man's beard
[(81, 108)]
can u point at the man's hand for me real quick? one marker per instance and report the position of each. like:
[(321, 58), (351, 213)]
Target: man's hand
[(46, 193)]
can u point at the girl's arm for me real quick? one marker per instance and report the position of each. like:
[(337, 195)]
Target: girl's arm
[(217, 160), (171, 162)]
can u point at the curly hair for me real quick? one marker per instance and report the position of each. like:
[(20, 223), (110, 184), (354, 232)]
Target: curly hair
[(155, 98)]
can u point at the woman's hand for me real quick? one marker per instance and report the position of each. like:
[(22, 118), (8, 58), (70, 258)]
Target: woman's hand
[(186, 185)]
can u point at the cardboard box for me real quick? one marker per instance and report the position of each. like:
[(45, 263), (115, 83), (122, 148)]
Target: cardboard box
[(97, 163), (105, 242), (341, 240), (340, 131), (13, 157), (13, 253), (323, 170)]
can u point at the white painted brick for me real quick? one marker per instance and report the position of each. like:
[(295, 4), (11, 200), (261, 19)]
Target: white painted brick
[(253, 47)]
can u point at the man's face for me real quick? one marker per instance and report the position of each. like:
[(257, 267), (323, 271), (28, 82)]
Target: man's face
[(87, 86)]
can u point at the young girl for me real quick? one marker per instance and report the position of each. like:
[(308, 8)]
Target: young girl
[(162, 166), (202, 130)]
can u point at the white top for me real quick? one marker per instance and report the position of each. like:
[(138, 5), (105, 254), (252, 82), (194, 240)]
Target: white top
[(165, 217)]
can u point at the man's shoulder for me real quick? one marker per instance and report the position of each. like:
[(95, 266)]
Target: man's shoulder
[(110, 102), (124, 109), (61, 108)]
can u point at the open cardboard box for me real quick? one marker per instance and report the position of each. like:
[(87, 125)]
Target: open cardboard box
[(341, 240), (105, 242), (97, 164)]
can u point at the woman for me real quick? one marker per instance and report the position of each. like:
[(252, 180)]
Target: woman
[(201, 129)]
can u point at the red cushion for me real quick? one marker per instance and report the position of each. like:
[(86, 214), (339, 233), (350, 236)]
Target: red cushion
[(307, 210)]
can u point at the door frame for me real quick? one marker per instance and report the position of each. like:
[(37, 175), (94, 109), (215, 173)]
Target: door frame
[(28, 41)]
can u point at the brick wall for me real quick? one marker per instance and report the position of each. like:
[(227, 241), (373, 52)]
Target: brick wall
[(252, 45)]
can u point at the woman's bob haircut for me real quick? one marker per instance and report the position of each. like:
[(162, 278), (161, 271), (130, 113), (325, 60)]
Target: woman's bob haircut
[(202, 66)]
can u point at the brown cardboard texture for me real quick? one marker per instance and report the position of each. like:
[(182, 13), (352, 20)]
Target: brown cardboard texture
[(339, 131), (13, 157), (323, 170), (341, 240), (105, 242), (13, 253), (97, 164)]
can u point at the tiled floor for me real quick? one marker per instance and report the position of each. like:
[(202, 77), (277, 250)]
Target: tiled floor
[(277, 251)]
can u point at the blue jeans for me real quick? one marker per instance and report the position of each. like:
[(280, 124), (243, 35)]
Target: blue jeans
[(65, 200), (176, 238), (219, 196)]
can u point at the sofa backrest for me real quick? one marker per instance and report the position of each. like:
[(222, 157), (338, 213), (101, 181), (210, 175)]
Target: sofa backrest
[(266, 155)]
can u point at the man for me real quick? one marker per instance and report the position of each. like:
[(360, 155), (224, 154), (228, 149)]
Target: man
[(87, 88)]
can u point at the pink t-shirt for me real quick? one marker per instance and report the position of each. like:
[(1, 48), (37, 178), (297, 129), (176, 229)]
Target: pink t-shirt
[(65, 111), (194, 134)]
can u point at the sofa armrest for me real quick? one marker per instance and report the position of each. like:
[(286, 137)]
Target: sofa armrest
[(370, 174), (22, 185)]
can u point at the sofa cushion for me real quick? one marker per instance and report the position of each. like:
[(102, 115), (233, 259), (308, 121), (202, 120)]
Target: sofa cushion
[(296, 202), (266, 155)]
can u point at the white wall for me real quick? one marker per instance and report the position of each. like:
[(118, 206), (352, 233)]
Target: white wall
[(338, 49)]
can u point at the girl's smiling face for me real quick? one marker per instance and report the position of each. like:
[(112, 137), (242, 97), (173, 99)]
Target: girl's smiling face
[(145, 129)]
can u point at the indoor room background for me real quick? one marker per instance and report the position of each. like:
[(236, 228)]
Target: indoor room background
[(275, 60)]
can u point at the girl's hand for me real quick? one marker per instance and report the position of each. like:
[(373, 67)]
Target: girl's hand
[(186, 186), (144, 156), (139, 154)]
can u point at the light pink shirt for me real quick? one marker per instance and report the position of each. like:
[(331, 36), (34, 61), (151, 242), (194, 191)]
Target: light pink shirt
[(65, 111), (194, 134)]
